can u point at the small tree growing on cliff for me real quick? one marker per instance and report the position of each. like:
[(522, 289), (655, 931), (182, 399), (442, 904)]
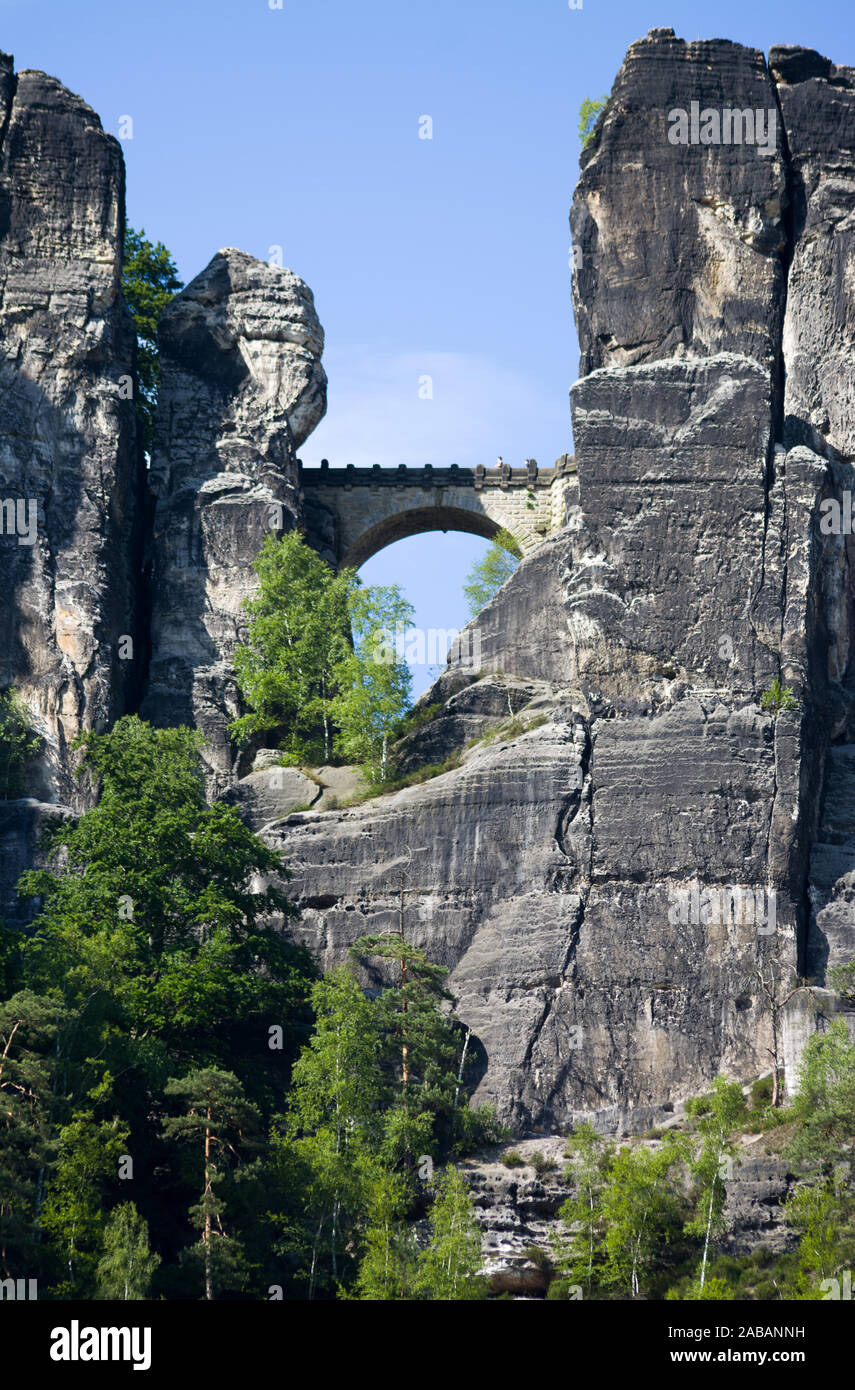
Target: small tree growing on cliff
[(149, 281), (715, 1118), (488, 574), (18, 745), (588, 113)]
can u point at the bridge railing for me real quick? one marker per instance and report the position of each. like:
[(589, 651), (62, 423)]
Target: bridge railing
[(427, 476)]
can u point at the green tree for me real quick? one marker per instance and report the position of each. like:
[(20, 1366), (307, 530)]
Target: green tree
[(779, 697), (588, 113), (419, 1050), (152, 911), (842, 979), (73, 1217), (18, 745), (715, 1116), (334, 1122), (127, 1265), (641, 1212), (374, 682), (824, 1104), (388, 1269), (29, 1028), (218, 1121), (822, 1212), (580, 1251), (374, 1092), (149, 281), (290, 668), (713, 1290), (488, 574), (449, 1268)]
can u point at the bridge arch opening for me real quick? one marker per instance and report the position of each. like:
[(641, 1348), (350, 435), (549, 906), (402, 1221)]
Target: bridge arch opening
[(431, 569), (416, 521)]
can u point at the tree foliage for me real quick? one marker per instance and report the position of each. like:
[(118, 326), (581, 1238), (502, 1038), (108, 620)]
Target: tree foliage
[(588, 114), (488, 574), (127, 1262), (318, 670), (18, 745), (149, 281), (374, 682)]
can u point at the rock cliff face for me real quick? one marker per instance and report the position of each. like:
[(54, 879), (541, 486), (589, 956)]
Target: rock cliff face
[(818, 106), (634, 838), (70, 469), (681, 243), (71, 472)]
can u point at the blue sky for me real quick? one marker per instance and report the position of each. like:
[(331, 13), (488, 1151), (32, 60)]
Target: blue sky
[(299, 127)]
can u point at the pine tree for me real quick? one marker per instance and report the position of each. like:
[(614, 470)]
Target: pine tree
[(419, 1052), (149, 281), (219, 1122)]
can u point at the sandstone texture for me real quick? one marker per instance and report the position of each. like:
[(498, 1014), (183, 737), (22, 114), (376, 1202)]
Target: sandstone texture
[(69, 459), (678, 246), (818, 106)]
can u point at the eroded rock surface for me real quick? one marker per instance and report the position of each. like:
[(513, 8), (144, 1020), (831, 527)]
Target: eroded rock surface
[(70, 469), (818, 106), (678, 246)]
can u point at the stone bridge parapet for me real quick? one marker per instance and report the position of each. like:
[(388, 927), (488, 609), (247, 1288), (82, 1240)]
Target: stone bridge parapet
[(351, 513)]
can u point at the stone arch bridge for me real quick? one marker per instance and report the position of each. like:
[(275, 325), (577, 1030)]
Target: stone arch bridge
[(351, 513)]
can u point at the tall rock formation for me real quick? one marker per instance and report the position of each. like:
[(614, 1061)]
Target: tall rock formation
[(818, 105), (679, 245), (70, 467), (242, 388)]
